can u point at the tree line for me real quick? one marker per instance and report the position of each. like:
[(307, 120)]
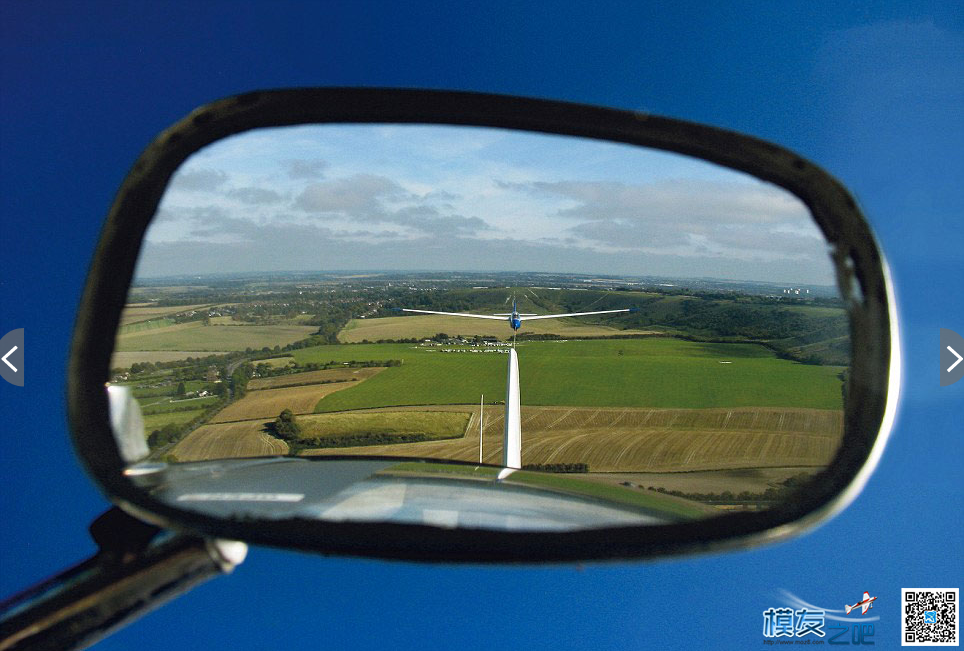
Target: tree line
[(779, 493), (557, 467)]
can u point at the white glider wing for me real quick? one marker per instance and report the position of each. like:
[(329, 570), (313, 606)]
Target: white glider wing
[(559, 316), (863, 611), (474, 316)]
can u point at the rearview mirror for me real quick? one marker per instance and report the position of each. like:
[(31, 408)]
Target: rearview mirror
[(449, 326)]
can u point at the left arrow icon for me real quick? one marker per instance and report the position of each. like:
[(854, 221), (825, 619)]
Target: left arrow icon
[(6, 361), (11, 347)]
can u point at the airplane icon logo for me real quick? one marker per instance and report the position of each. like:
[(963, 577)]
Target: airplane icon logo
[(866, 602)]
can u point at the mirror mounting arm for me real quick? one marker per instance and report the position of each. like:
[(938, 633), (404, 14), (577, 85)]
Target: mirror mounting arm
[(138, 567)]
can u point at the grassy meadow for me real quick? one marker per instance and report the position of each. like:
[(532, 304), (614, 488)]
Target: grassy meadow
[(157, 421), (165, 406), (277, 362), (195, 336), (124, 360), (141, 326), (136, 312), (654, 372), (313, 377)]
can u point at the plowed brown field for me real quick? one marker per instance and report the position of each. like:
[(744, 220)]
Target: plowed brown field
[(238, 429), (270, 402), (229, 440), (643, 440)]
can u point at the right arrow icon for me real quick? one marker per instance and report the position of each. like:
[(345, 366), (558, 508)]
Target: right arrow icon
[(959, 358), (952, 345)]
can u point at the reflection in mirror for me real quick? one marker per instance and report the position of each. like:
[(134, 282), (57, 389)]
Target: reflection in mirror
[(311, 296)]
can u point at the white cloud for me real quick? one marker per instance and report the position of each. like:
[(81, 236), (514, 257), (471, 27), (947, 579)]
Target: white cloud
[(204, 180), (306, 169), (259, 196), (401, 202), (359, 196)]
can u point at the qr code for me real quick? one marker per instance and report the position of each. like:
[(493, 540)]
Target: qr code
[(930, 617)]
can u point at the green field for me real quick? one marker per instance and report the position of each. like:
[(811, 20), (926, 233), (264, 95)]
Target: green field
[(817, 311), (655, 372), (157, 421), (140, 391), (141, 326), (433, 424), (197, 337), (276, 362), (136, 312), (165, 407), (300, 319), (126, 359)]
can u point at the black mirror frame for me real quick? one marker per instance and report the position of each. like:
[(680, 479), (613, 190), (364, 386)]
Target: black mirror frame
[(870, 403)]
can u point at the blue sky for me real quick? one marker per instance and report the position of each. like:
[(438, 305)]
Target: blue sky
[(869, 90)]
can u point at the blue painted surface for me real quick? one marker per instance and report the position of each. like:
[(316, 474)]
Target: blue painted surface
[(870, 91)]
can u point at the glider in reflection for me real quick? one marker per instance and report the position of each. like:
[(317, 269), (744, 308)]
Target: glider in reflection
[(515, 318)]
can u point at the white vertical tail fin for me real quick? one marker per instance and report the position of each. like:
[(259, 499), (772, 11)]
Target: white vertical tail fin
[(512, 440), (847, 608), (481, 421)]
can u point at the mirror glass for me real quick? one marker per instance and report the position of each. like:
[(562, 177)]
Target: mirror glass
[(282, 341)]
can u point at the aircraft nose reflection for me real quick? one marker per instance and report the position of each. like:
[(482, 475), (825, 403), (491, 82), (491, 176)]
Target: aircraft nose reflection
[(381, 491)]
